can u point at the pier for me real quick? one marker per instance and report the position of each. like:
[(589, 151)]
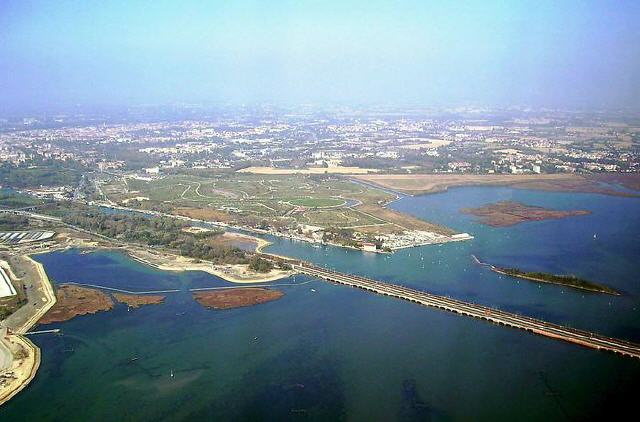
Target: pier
[(508, 319), (52, 331)]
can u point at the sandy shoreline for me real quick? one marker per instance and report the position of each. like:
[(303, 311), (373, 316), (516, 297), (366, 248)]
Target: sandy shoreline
[(47, 288), (26, 356), (23, 356), (21, 371), (168, 261), (239, 273)]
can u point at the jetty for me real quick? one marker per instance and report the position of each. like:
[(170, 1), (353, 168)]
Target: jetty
[(52, 331), (486, 313)]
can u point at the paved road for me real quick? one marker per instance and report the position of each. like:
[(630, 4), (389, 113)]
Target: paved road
[(40, 296)]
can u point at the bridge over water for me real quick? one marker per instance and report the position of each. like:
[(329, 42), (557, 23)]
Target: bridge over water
[(532, 325)]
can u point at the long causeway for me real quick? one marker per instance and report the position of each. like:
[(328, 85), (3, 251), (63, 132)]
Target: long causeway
[(532, 325)]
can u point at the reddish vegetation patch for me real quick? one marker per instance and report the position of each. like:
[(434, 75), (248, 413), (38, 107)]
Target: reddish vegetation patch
[(236, 298), (416, 184), (580, 185), (507, 213), (135, 301), (628, 180), (73, 301)]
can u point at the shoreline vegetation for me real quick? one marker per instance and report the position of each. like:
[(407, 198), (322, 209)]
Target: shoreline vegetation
[(195, 250), (23, 356), (238, 273), (138, 300), (319, 209), (557, 279), (509, 213), (214, 252), (73, 301), (421, 184), (161, 232), (171, 261), (236, 298), (166, 261)]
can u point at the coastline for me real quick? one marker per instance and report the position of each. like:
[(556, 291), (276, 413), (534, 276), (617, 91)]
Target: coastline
[(25, 369), (168, 261), (540, 280), (237, 273), (431, 183), (502, 271), (436, 229), (48, 292)]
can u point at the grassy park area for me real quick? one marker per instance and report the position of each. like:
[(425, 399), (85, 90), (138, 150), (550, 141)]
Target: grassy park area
[(317, 202), (276, 200)]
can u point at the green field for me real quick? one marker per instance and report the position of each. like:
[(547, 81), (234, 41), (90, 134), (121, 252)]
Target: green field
[(248, 198), (317, 202)]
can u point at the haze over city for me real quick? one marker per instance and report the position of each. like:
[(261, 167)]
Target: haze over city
[(319, 210), (571, 54)]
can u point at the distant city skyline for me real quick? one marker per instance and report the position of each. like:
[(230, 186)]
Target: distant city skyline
[(574, 54)]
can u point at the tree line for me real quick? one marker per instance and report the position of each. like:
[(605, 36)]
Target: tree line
[(159, 231)]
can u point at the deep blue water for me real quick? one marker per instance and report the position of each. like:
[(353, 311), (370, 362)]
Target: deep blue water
[(339, 353)]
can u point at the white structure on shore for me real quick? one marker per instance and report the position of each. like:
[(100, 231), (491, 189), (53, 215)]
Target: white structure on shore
[(6, 288)]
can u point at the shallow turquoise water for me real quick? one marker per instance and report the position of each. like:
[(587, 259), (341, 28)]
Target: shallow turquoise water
[(340, 353)]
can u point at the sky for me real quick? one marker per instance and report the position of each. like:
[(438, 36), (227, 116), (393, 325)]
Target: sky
[(570, 54)]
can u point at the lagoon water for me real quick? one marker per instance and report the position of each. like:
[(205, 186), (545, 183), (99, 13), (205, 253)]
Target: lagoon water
[(337, 353)]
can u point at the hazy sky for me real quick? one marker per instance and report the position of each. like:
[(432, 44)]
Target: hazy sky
[(556, 53)]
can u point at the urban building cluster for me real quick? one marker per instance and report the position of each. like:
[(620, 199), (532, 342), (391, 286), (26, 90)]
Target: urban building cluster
[(442, 141)]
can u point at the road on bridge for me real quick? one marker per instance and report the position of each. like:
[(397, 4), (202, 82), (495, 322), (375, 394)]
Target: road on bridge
[(486, 313)]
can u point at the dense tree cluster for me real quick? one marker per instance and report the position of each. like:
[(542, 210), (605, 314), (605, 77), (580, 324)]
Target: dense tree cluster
[(10, 199), (159, 231), (12, 222), (40, 173), (260, 265), (340, 236)]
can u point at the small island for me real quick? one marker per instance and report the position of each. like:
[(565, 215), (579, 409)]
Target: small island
[(73, 301), (136, 301), (562, 280), (509, 213), (236, 298)]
